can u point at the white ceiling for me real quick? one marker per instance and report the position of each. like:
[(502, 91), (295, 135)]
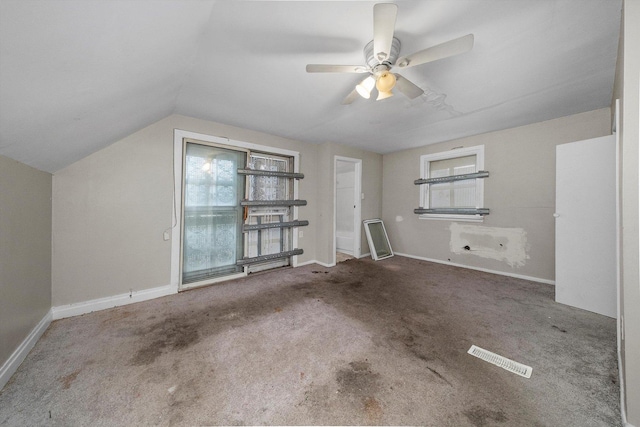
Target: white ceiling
[(77, 75)]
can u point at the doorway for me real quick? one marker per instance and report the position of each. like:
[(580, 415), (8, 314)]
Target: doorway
[(347, 212)]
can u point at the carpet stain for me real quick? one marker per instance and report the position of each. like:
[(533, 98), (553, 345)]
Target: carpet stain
[(358, 379), (117, 315), (373, 410), (439, 375), (479, 416), (148, 354), (67, 380), (561, 330), (168, 335), (355, 285)]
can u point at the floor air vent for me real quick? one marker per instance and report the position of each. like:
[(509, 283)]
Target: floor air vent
[(503, 362)]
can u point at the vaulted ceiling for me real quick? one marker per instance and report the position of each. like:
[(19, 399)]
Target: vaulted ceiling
[(77, 75)]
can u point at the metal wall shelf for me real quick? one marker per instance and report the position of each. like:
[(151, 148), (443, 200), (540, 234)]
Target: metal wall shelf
[(441, 179), (250, 227), (273, 203), (246, 228), (292, 175), (269, 257), (453, 211)]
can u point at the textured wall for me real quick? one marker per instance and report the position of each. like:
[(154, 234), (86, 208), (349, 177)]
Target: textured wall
[(25, 252), (520, 192), (111, 208)]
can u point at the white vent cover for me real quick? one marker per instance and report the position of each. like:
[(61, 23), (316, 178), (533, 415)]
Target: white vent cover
[(503, 362)]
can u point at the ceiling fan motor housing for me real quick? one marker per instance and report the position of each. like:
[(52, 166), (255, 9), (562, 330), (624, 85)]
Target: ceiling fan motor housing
[(373, 62)]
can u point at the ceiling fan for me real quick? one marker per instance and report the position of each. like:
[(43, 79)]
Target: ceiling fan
[(381, 55)]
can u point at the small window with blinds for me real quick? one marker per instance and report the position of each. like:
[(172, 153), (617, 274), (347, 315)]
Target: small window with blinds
[(449, 196)]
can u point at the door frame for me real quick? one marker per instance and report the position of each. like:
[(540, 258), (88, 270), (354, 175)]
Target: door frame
[(357, 214), (176, 224)]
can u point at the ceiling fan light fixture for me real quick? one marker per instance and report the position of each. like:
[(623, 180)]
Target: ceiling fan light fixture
[(386, 82), (384, 95), (365, 87)]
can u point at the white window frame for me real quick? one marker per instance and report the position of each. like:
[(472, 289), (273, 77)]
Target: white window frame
[(425, 159)]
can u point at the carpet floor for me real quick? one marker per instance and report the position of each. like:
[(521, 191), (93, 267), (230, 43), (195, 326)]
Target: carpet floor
[(361, 343)]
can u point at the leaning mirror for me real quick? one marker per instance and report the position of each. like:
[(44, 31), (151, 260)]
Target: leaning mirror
[(377, 238)]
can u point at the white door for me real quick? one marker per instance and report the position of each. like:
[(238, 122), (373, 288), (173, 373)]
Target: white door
[(586, 225), (347, 205)]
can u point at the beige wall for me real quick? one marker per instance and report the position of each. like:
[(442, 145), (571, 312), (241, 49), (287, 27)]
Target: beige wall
[(111, 208), (25, 252), (626, 88), (520, 192)]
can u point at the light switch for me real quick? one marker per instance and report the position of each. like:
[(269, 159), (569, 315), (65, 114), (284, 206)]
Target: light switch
[(165, 235)]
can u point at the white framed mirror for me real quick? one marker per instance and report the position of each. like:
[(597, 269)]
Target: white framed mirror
[(377, 238)]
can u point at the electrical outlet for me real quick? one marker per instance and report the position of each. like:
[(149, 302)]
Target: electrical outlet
[(300, 233), (166, 235)]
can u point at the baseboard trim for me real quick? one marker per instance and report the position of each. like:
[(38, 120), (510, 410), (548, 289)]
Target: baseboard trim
[(302, 264), (328, 265), (70, 310), (485, 270), (324, 264), (313, 261), (17, 357)]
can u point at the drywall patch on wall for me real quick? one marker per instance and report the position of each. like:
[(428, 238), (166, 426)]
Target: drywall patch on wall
[(502, 244)]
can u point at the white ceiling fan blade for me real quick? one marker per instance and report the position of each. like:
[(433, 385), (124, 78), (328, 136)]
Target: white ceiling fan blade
[(325, 68), (444, 50), (384, 22), (410, 90), (362, 89), (350, 98)]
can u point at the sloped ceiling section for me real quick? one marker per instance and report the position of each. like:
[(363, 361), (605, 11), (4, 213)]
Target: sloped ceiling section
[(75, 76)]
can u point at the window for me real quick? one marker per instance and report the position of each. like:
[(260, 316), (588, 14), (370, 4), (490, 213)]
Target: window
[(462, 195), (238, 209)]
